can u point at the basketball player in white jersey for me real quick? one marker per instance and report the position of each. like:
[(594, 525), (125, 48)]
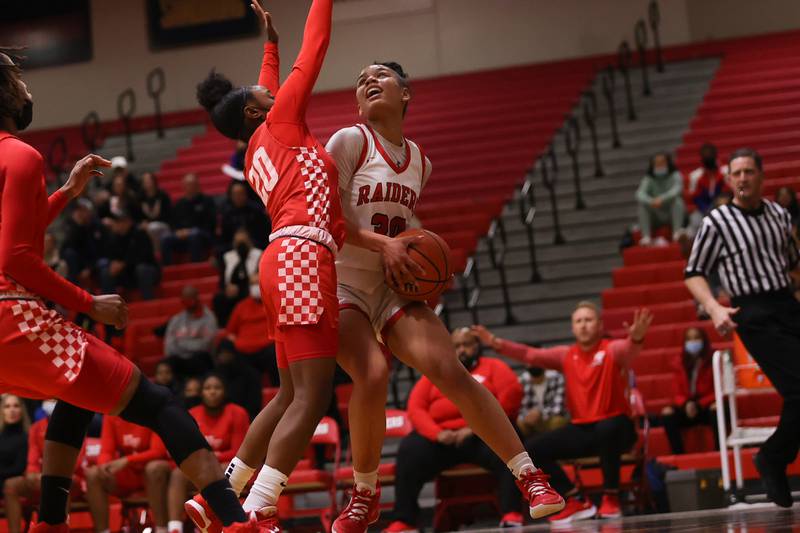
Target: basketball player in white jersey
[(381, 177)]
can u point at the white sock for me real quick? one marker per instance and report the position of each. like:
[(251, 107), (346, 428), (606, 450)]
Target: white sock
[(520, 463), (266, 490), (238, 474), (161, 529), (175, 525), (366, 481)]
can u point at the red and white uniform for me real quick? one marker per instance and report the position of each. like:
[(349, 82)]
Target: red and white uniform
[(297, 181), (42, 355), (596, 380), (224, 431), (380, 186), (138, 444)]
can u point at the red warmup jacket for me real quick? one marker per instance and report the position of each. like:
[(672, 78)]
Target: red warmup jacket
[(225, 431), (596, 380), (119, 438), (431, 412), (703, 392), (248, 325)]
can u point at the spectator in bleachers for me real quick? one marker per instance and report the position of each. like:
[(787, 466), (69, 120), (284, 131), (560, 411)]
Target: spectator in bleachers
[(543, 408), (125, 466), (693, 403), (119, 167), (83, 239), (242, 381), (122, 200), (239, 211), (190, 397), (190, 337), (248, 332), (706, 183), (596, 375), (14, 426), (441, 438), (128, 259), (194, 223), (787, 199), (156, 208), (165, 377), (27, 486), (52, 256), (660, 200), (235, 170), (224, 426), (239, 270)]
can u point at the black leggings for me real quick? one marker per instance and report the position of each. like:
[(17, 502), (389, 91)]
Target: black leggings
[(608, 439)]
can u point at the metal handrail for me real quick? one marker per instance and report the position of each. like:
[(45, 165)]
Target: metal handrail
[(572, 140), (609, 90), (471, 294), (624, 63), (527, 212), (156, 83), (654, 17), (549, 179), (57, 155), (91, 131), (126, 107), (497, 256), (589, 113), (640, 32)]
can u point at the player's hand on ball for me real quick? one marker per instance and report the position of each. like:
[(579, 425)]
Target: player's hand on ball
[(398, 267), (110, 309), (84, 170)]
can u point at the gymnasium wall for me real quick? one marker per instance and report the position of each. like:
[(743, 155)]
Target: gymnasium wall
[(430, 37)]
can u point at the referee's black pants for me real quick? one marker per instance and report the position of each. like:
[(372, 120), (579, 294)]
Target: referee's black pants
[(420, 460), (769, 326)]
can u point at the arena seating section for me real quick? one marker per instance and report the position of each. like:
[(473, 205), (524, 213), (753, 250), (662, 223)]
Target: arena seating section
[(482, 131)]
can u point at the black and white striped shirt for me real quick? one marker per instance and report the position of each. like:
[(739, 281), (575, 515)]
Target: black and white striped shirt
[(753, 251)]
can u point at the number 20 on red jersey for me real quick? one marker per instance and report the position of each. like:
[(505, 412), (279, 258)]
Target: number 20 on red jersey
[(262, 175)]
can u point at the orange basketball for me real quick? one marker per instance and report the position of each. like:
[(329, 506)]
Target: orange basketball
[(433, 255)]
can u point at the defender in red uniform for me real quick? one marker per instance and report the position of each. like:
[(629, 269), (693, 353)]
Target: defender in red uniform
[(297, 182), (43, 355)]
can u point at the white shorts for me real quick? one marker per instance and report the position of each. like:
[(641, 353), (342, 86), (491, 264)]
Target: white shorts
[(382, 307)]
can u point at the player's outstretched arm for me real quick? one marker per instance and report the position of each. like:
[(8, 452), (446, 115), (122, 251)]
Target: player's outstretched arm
[(84, 169), (269, 76)]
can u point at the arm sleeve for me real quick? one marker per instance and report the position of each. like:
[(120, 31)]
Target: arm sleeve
[(18, 250), (676, 188), (55, 204), (623, 351), (269, 76), (292, 100), (543, 357), (509, 389), (346, 147), (154, 451), (705, 251), (418, 410), (108, 444), (427, 172), (641, 193)]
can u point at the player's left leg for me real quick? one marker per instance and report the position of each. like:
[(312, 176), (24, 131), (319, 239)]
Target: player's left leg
[(420, 340)]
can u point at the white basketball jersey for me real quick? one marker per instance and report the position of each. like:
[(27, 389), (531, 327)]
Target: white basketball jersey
[(381, 196)]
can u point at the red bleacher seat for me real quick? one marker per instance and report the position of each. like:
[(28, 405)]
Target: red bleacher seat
[(669, 313), (660, 293), (649, 274), (647, 255)]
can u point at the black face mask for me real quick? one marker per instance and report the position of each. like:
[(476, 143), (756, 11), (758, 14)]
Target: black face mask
[(536, 372), (710, 163), (470, 362), (25, 116), (242, 249)]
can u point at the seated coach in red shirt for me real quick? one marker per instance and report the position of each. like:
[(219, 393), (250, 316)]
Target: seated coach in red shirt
[(596, 372), (441, 438)]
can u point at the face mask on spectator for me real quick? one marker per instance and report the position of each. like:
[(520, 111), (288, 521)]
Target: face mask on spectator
[(693, 347), (536, 371), (710, 162), (48, 406), (242, 249), (660, 172), (255, 291)]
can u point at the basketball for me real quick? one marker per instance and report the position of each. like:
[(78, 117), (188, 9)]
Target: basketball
[(433, 254)]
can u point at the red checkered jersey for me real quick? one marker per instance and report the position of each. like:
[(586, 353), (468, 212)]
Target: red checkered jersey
[(138, 444), (596, 379), (285, 164), (224, 431), (431, 411), (25, 213)]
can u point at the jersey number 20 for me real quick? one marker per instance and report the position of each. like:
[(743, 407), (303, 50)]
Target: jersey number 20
[(384, 226), (262, 175)]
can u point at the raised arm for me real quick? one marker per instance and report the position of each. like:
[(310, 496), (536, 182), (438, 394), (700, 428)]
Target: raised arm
[(269, 76), (542, 357), (292, 100)]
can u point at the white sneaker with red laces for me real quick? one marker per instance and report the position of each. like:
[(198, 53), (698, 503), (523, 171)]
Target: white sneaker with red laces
[(362, 511), (543, 500)]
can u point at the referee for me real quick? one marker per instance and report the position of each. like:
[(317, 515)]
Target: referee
[(749, 242)]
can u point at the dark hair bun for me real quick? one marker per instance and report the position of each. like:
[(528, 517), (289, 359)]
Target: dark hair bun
[(212, 90)]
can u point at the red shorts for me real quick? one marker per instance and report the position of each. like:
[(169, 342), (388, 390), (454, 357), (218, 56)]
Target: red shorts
[(44, 356), (298, 289), (128, 480)]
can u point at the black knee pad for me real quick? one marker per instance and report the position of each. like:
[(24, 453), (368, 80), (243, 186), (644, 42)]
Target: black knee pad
[(154, 407), (68, 424)]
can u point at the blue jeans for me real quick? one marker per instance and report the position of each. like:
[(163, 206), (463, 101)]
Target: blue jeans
[(197, 244), (145, 277)]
